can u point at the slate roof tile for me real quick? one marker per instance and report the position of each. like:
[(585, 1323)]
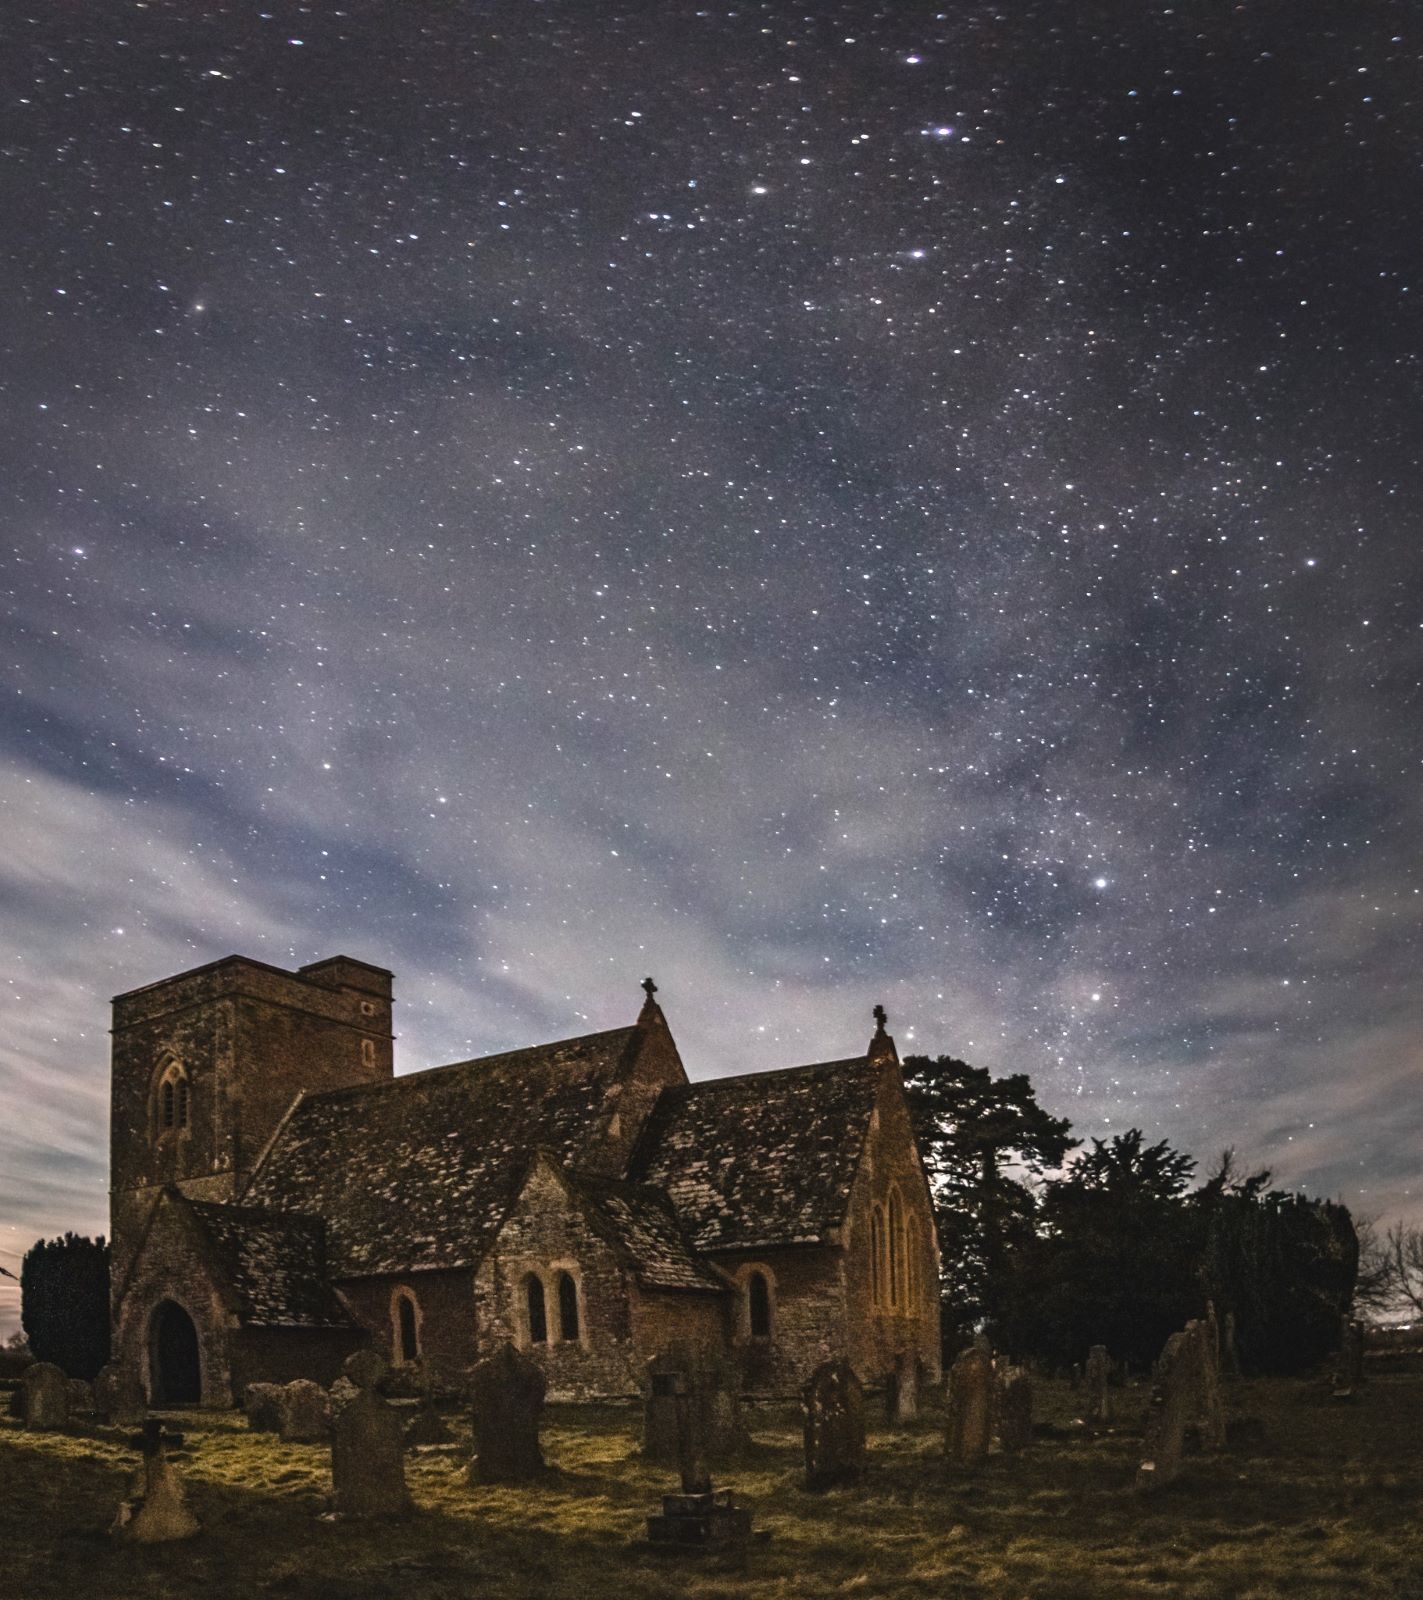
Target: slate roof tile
[(275, 1264), (418, 1171), (764, 1159)]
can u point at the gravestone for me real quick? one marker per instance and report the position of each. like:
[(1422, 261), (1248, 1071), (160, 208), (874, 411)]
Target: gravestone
[(1210, 1412), (833, 1403), (1174, 1399), (1099, 1398), (262, 1406), (427, 1426), (970, 1405), (368, 1450), (119, 1397), (507, 1398), (159, 1512), (700, 1520), (340, 1394), (710, 1385), (81, 1399), (902, 1390), (46, 1402), (366, 1369), (1015, 1410), (305, 1413)]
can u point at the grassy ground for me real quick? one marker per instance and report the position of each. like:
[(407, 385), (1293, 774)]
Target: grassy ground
[(1327, 1507)]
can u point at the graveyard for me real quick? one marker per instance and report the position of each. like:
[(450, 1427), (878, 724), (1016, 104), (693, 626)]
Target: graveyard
[(1311, 1497)]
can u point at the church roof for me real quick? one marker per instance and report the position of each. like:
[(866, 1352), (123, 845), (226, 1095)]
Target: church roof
[(764, 1159), (274, 1264), (644, 1228), (418, 1171)]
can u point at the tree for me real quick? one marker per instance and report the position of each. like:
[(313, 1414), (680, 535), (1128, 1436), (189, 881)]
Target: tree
[(64, 1303), (980, 1137), (1403, 1253), (1112, 1262)]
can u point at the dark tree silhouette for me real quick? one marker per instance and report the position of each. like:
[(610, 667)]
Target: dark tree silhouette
[(982, 1138), (64, 1303)]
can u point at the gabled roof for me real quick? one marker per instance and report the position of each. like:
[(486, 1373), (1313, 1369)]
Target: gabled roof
[(643, 1228), (764, 1159), (273, 1263), (418, 1171)]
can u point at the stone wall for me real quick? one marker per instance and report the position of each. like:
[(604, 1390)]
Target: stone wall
[(809, 1315), (879, 1333), (248, 1038), (444, 1319), (170, 1268), (278, 1355)]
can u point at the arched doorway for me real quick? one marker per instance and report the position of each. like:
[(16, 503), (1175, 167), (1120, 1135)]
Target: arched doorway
[(175, 1367)]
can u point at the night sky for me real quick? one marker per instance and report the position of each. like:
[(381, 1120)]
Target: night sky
[(823, 504)]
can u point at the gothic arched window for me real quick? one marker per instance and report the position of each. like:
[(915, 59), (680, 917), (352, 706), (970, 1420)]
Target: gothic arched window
[(896, 1250), (567, 1308), (407, 1326), (171, 1101), (758, 1306), (877, 1287), (536, 1308)]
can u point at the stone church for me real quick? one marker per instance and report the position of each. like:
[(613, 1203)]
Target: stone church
[(280, 1198)]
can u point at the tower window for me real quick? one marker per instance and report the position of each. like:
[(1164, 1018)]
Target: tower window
[(567, 1308), (368, 1052), (538, 1311), (171, 1103)]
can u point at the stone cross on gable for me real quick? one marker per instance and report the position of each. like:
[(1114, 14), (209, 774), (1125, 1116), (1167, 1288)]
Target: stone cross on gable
[(649, 987), (881, 1017)]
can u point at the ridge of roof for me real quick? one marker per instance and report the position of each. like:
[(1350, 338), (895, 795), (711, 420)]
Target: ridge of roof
[(424, 1074), (761, 1075)]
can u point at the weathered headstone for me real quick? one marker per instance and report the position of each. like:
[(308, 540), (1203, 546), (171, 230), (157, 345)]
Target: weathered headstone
[(1099, 1398), (1210, 1412), (507, 1399), (1174, 1398), (701, 1519), (1015, 1409), (119, 1397), (305, 1411), (970, 1409), (81, 1399), (46, 1392), (368, 1451), (833, 1402), (427, 1426), (902, 1390), (262, 1406), (366, 1369), (710, 1385), (159, 1513)]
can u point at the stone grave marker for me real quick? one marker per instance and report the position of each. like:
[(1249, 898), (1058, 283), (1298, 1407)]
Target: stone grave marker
[(833, 1403), (46, 1402), (119, 1396), (701, 1520), (970, 1408), (1015, 1410), (711, 1385), (305, 1413), (368, 1450), (1210, 1412), (81, 1399), (1174, 1399), (158, 1512), (1349, 1363), (262, 1406), (1099, 1395), (507, 1400), (902, 1390)]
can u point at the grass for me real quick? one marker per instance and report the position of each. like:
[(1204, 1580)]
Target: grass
[(1327, 1507)]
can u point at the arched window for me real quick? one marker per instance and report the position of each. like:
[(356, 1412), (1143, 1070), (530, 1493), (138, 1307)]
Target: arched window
[(876, 1255), (912, 1263), (407, 1327), (758, 1306), (896, 1250), (538, 1312), (171, 1106), (368, 1052), (567, 1308)]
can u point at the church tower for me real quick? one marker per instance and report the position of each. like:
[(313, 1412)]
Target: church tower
[(207, 1063)]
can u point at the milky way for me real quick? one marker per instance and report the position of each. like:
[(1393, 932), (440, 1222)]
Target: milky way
[(825, 505)]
